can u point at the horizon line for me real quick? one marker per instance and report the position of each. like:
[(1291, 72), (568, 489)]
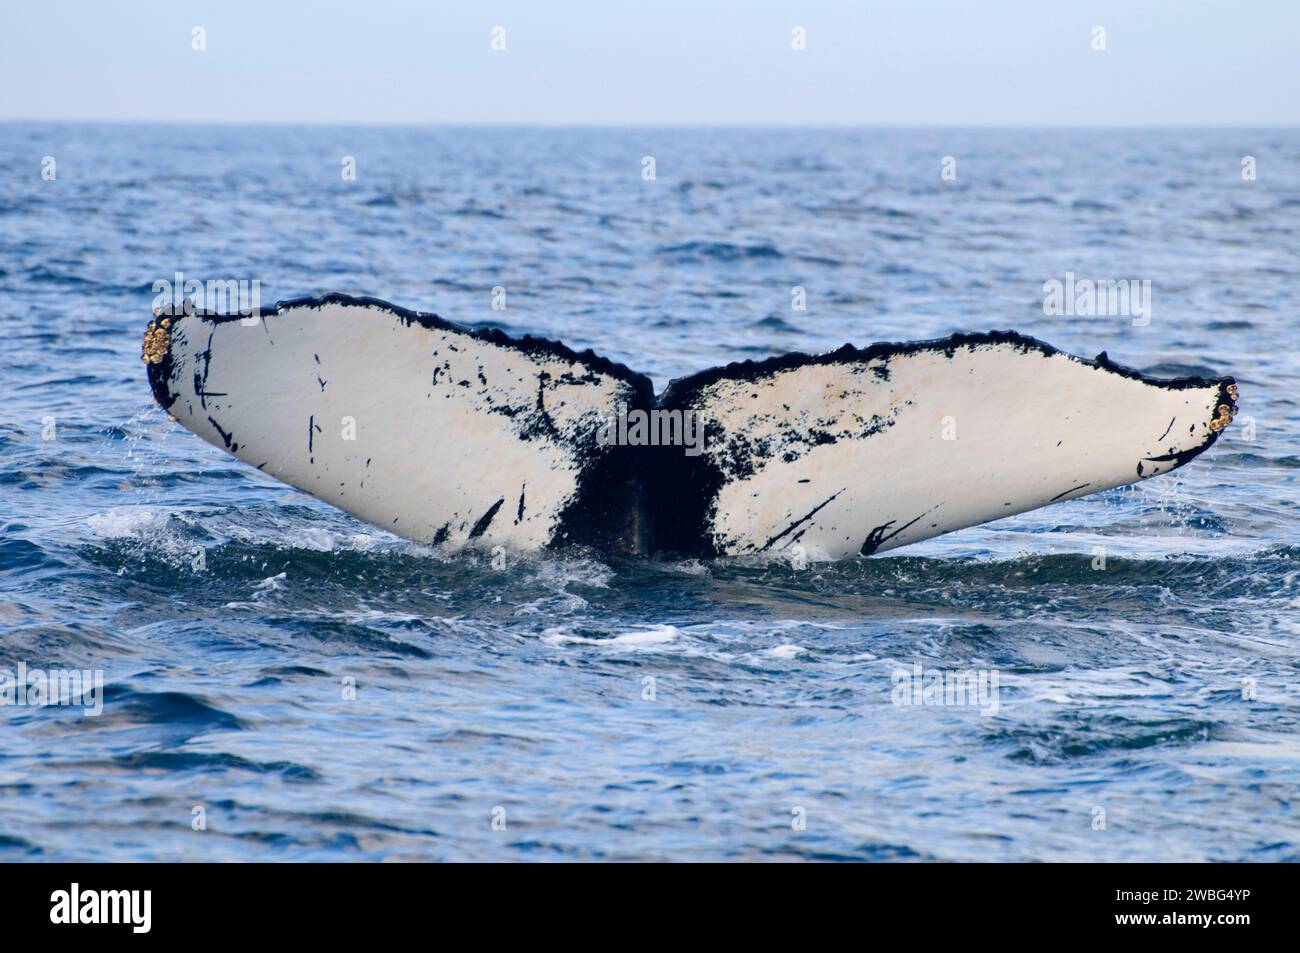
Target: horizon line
[(531, 125)]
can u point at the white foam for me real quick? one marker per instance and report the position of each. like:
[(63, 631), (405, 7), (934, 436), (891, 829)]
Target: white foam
[(787, 651), (650, 637), (132, 521), (264, 588)]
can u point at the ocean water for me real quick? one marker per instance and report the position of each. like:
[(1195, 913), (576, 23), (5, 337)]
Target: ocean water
[(317, 689)]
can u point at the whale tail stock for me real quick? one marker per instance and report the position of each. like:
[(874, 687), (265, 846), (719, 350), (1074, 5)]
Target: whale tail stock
[(457, 436)]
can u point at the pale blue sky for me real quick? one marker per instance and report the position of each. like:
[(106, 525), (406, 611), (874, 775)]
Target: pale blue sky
[(674, 62)]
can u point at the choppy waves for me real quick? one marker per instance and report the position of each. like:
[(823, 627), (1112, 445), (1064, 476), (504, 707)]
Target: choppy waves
[(314, 688)]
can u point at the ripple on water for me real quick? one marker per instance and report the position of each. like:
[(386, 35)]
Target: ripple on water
[(328, 691)]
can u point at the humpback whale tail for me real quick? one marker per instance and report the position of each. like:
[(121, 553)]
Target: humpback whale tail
[(448, 435)]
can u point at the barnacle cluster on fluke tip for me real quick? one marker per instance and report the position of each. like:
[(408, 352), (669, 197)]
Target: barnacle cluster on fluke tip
[(1226, 411), (156, 339)]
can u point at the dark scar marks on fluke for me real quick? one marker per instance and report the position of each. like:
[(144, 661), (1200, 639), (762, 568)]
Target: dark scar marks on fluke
[(201, 376), (632, 498), (877, 538), (1178, 457), (799, 522), (540, 423), (1070, 490), (225, 437), (874, 539), (485, 520)]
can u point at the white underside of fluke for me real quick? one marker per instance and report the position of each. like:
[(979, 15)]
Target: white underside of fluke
[(451, 436), (849, 458), (432, 433)]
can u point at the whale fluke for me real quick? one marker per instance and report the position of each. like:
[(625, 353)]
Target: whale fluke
[(456, 436)]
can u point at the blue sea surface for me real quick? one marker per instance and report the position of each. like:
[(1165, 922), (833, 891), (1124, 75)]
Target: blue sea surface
[(318, 689)]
